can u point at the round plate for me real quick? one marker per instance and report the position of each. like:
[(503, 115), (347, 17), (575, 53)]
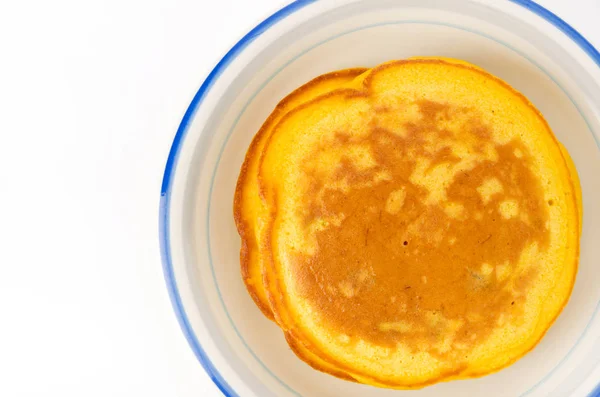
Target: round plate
[(517, 40)]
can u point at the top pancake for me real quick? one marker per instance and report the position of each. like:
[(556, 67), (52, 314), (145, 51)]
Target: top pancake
[(423, 227)]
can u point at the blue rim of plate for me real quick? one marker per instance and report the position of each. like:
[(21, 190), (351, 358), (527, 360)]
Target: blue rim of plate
[(165, 193)]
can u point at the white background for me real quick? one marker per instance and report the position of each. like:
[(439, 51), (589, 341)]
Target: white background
[(91, 94)]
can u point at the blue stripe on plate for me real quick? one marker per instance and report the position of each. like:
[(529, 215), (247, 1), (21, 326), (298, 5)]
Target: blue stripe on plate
[(170, 167)]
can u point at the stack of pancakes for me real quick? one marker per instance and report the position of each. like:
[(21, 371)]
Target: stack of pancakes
[(408, 224)]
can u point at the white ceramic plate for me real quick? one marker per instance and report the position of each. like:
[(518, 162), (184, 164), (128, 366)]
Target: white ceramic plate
[(517, 40)]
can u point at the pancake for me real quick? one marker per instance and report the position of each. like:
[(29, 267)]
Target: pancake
[(421, 227), (248, 208)]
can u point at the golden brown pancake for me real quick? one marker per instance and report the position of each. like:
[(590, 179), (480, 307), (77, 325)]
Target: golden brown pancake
[(421, 227)]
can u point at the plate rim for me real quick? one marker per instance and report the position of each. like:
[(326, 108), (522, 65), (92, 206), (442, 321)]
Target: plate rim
[(215, 73)]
